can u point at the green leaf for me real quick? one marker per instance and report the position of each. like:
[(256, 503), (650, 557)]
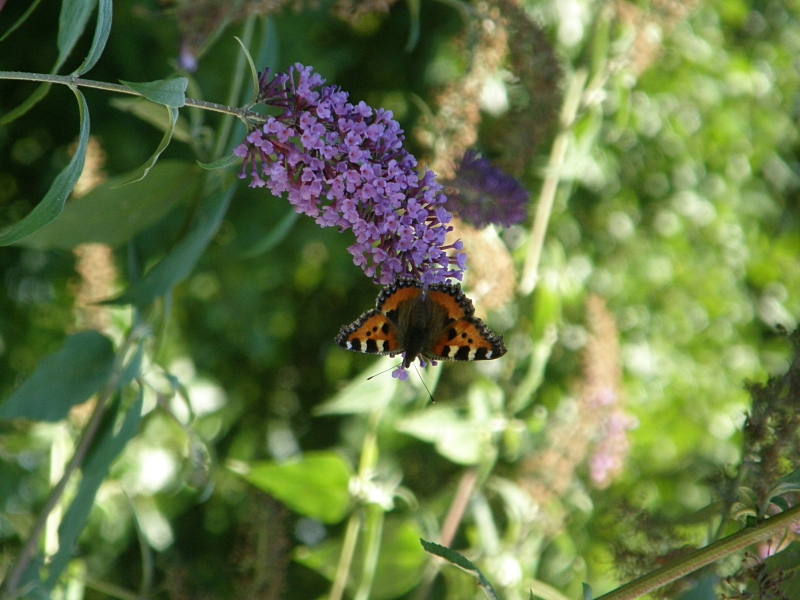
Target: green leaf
[(459, 561), (112, 215), (362, 395), (274, 237), (142, 171), (253, 70), (102, 29), (153, 113), (180, 261), (71, 24), (53, 202), (69, 376), (413, 32), (316, 486), (587, 592), (169, 92), (221, 163), (38, 94), (457, 437), (21, 20), (108, 445), (401, 562)]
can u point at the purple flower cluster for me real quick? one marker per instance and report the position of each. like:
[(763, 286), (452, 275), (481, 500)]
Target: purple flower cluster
[(345, 165), (482, 194)]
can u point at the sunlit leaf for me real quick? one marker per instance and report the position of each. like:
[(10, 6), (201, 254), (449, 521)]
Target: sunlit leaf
[(53, 202), (459, 561), (68, 377), (316, 485), (401, 561), (363, 394), (110, 442)]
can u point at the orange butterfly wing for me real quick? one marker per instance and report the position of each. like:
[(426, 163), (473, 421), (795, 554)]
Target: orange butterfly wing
[(467, 339), (372, 333)]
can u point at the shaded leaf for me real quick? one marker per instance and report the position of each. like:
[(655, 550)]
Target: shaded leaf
[(38, 94), (180, 261), (108, 445), (274, 237), (71, 24), (587, 592), (53, 202), (316, 486), (221, 163), (112, 215), (153, 113), (21, 20), (703, 590), (69, 376), (142, 171), (169, 92), (253, 70), (102, 29)]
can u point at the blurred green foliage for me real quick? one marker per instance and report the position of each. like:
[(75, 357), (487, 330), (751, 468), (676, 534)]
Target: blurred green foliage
[(249, 456)]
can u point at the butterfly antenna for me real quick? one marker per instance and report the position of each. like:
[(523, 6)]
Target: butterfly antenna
[(384, 371), (433, 401)]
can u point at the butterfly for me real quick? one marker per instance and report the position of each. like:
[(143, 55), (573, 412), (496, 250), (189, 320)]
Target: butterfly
[(437, 324)]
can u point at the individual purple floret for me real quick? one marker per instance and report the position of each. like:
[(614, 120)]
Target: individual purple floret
[(482, 194), (345, 165)]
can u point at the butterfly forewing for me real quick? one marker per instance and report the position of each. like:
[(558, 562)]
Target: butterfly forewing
[(372, 333), (452, 299)]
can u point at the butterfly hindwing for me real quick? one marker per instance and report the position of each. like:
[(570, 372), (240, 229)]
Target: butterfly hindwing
[(372, 333), (467, 339)]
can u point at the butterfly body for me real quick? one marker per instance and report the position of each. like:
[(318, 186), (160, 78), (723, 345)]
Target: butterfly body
[(437, 324)]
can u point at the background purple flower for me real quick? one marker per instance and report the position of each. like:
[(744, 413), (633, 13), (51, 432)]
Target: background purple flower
[(482, 194), (345, 165)]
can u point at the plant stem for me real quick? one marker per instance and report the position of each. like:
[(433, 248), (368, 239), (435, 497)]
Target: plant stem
[(572, 100), (15, 573), (704, 556), (244, 115)]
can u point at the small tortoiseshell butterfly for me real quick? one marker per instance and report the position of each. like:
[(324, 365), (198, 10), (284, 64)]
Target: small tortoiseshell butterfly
[(438, 325)]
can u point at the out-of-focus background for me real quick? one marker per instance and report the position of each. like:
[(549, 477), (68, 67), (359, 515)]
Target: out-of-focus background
[(606, 441)]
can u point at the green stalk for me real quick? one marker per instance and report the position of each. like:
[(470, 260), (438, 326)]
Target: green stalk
[(244, 115), (372, 548), (703, 557)]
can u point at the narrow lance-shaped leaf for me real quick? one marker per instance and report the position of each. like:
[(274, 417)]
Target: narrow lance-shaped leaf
[(65, 378), (21, 20), (53, 202), (106, 448), (253, 70), (101, 32), (459, 561), (71, 24), (142, 171), (180, 261), (111, 215)]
